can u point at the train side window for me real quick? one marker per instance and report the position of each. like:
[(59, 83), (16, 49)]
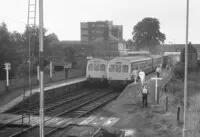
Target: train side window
[(118, 68), (90, 67), (112, 68), (125, 68), (96, 67), (102, 67)]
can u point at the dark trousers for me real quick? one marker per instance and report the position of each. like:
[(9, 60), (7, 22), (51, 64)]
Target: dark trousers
[(158, 74), (144, 100)]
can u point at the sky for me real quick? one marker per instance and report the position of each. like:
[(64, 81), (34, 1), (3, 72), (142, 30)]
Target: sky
[(63, 17)]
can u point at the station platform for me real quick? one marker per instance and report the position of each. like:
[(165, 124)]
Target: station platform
[(12, 98), (57, 121), (128, 107), (125, 113)]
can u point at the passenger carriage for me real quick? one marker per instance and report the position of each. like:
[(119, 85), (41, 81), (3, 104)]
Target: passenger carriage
[(157, 61), (121, 68), (96, 70)]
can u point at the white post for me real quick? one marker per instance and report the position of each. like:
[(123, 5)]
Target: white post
[(7, 68), (51, 70), (156, 87), (38, 73), (156, 90), (7, 77)]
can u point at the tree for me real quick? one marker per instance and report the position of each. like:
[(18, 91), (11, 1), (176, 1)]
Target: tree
[(130, 44), (179, 70), (53, 38), (192, 57), (147, 33), (69, 54), (7, 52), (34, 40)]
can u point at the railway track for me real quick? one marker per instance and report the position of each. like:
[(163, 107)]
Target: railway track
[(72, 106), (54, 107), (6, 128), (67, 97), (36, 105), (83, 110)]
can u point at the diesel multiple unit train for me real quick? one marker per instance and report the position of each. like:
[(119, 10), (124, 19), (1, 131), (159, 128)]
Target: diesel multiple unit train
[(119, 70)]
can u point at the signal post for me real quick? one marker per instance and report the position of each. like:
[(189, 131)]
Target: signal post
[(156, 88), (7, 68)]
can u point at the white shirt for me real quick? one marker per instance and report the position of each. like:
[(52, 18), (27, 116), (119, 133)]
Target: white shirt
[(158, 69), (141, 73), (144, 91)]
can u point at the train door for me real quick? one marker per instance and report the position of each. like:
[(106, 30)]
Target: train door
[(118, 70), (103, 69), (90, 67)]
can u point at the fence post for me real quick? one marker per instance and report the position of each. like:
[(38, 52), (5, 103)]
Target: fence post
[(166, 103), (178, 114), (158, 98)]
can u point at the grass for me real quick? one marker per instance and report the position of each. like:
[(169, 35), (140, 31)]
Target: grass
[(176, 88), (193, 117)]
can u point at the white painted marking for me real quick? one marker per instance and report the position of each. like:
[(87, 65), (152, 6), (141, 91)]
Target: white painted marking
[(129, 132), (89, 119)]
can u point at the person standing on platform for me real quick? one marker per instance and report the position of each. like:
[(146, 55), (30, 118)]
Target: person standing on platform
[(142, 73), (158, 71), (144, 96), (135, 74), (167, 67)]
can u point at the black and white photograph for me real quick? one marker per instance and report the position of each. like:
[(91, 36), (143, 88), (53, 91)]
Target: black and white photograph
[(100, 68)]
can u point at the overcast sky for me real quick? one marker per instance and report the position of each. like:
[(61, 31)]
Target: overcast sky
[(64, 16)]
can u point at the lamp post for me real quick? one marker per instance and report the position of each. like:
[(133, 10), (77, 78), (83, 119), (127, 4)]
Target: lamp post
[(186, 71), (41, 62)]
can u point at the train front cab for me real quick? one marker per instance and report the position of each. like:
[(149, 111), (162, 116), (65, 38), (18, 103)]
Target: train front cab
[(118, 72), (96, 71)]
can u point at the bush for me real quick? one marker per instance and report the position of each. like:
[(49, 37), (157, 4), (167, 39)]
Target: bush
[(179, 70)]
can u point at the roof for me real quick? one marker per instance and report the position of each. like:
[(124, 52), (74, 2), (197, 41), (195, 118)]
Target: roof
[(75, 44), (172, 53), (70, 42), (131, 59), (177, 47), (155, 56), (96, 59)]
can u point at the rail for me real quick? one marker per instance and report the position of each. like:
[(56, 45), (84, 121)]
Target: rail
[(77, 105)]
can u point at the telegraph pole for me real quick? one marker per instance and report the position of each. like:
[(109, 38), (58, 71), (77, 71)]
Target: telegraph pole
[(186, 71), (41, 63)]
